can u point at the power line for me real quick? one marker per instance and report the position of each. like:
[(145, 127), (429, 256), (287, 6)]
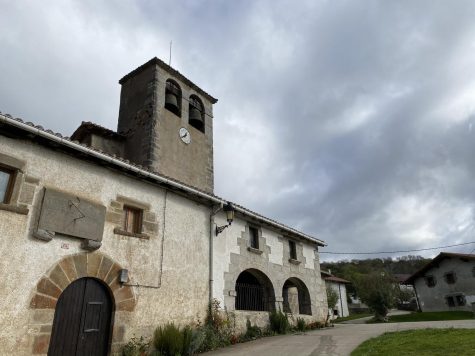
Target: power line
[(400, 251)]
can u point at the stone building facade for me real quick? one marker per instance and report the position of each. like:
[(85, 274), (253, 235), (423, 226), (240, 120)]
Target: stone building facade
[(446, 283), (115, 232)]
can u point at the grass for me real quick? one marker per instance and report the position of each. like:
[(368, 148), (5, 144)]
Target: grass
[(431, 316), (425, 342), (352, 317)]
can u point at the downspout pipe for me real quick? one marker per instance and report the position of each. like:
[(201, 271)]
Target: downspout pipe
[(212, 232)]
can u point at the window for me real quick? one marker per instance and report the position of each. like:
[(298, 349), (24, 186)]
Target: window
[(6, 184), (450, 301), (460, 299), (196, 114), (450, 277), (455, 300), (254, 237), (173, 97), (132, 220), (293, 250), (430, 281)]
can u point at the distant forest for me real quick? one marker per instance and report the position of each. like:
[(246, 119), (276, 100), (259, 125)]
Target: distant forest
[(354, 270), (348, 269)]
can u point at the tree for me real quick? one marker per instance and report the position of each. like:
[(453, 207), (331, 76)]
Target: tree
[(332, 299), (378, 291)]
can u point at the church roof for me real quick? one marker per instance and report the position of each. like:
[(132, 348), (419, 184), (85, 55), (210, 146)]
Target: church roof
[(16, 127)]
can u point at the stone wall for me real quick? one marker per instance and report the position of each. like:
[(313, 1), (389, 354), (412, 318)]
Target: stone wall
[(168, 269), (233, 255)]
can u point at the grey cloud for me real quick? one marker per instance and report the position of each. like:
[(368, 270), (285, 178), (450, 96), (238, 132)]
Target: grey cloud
[(349, 121)]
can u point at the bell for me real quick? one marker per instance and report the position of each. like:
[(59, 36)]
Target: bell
[(196, 118), (171, 101)]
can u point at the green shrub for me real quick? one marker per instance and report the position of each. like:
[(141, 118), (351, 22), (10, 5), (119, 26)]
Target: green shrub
[(301, 324), (279, 322), (252, 331), (135, 347), (168, 341), (197, 338), (187, 339), (211, 339)]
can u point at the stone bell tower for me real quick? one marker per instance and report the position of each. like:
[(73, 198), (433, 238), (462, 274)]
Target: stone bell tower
[(167, 122)]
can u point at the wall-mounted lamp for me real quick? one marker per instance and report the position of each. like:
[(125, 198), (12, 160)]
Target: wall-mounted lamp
[(229, 210), (123, 276)]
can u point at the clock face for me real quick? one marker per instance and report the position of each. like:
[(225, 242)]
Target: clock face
[(185, 135)]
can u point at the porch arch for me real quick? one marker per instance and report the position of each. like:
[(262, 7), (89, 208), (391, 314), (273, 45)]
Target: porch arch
[(254, 291), (296, 297)]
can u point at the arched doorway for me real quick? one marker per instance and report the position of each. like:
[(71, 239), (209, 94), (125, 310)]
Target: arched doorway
[(82, 320), (296, 297), (254, 291)]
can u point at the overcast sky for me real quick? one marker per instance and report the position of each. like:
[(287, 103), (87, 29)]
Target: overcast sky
[(352, 121)]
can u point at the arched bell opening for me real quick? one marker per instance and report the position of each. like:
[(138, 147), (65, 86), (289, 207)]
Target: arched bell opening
[(254, 291), (296, 297), (196, 113), (173, 97)]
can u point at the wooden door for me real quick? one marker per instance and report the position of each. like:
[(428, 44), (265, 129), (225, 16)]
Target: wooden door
[(82, 320)]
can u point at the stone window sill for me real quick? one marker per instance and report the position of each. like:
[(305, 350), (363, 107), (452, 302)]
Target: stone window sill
[(294, 262), (14, 208), (255, 250), (119, 231)]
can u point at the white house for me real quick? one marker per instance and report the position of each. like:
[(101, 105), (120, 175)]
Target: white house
[(339, 286)]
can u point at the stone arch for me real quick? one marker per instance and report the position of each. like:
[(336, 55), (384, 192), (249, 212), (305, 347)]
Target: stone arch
[(296, 297), (70, 268), (254, 291)]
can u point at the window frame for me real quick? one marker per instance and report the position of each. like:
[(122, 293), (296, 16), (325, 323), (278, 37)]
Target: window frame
[(450, 300), (450, 277), (460, 300), (12, 172), (430, 278), (293, 250), (254, 237), (137, 221)]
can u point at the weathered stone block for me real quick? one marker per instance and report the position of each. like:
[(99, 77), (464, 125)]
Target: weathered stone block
[(27, 194), (126, 305), (123, 293), (114, 218), (43, 302), (93, 263), (113, 273), (69, 269), (80, 262), (43, 316), (104, 269), (59, 278), (45, 286), (41, 344)]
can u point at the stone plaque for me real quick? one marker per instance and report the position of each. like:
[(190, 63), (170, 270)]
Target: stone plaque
[(70, 215)]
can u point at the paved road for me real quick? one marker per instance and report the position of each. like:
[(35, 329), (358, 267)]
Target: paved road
[(365, 319), (339, 340)]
